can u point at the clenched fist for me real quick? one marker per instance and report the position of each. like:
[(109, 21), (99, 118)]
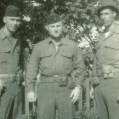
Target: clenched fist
[(1, 86), (31, 97)]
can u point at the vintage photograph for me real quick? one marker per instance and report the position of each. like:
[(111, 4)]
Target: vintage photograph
[(59, 59)]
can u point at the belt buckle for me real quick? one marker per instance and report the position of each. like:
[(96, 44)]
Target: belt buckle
[(115, 70), (55, 77)]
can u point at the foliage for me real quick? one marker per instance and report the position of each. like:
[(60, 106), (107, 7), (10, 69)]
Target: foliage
[(81, 23), (76, 14)]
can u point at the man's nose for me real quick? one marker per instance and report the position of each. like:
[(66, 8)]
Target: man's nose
[(15, 22), (56, 29), (103, 16)]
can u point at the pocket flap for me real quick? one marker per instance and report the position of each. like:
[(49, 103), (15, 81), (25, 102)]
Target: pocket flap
[(113, 46), (66, 53), (45, 54), (5, 49)]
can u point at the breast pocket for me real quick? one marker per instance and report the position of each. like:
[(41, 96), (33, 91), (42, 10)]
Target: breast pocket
[(4, 59), (66, 59), (45, 55), (4, 53), (112, 52), (45, 59), (5, 50), (67, 54)]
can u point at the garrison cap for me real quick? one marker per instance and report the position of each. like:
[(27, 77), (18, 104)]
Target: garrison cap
[(53, 18), (12, 11), (107, 4)]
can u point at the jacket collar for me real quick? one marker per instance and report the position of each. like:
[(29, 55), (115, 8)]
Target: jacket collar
[(114, 29), (4, 34), (62, 41)]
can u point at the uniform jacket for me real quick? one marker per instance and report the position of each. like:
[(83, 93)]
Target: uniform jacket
[(9, 53), (47, 61), (107, 51)]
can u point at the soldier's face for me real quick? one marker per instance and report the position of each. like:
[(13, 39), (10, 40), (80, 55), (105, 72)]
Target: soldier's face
[(12, 23), (107, 16), (55, 30)]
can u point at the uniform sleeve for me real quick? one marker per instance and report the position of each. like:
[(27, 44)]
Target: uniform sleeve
[(94, 78), (79, 67), (96, 68), (32, 69)]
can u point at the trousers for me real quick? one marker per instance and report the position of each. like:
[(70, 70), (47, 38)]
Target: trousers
[(52, 97), (11, 102), (106, 95)]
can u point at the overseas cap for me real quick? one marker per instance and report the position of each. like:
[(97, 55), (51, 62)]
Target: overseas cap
[(12, 11), (53, 18), (107, 4)]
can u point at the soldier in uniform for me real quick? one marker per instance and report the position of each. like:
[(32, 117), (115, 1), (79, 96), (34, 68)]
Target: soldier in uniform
[(10, 91), (60, 64), (106, 67)]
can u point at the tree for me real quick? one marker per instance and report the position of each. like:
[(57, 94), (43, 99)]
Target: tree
[(81, 23), (79, 17)]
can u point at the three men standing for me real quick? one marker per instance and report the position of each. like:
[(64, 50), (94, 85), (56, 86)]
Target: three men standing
[(10, 93), (107, 63), (60, 64)]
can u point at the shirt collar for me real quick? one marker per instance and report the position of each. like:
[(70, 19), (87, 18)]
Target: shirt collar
[(63, 41)]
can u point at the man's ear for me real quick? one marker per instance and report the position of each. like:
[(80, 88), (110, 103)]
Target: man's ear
[(46, 27), (114, 14), (4, 19)]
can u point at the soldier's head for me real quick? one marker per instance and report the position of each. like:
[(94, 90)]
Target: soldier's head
[(107, 11), (54, 25), (12, 18)]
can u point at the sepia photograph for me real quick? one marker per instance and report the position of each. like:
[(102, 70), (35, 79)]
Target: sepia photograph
[(59, 59)]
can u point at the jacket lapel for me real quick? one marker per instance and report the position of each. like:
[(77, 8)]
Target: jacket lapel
[(14, 42), (105, 38)]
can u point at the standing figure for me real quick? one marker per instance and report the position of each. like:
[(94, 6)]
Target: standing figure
[(60, 64), (10, 91), (106, 73)]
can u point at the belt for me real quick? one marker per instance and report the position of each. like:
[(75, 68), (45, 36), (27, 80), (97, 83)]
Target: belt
[(61, 80), (48, 79), (115, 69), (7, 78)]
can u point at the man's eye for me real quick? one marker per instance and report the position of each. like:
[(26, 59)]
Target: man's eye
[(52, 26), (18, 20), (58, 25), (12, 19)]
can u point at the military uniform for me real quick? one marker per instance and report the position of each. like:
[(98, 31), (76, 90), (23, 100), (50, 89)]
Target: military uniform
[(106, 63), (107, 71), (10, 97), (54, 66), (9, 66)]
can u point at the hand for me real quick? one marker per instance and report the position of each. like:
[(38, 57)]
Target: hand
[(75, 94), (118, 99), (92, 93), (1, 86), (31, 97)]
